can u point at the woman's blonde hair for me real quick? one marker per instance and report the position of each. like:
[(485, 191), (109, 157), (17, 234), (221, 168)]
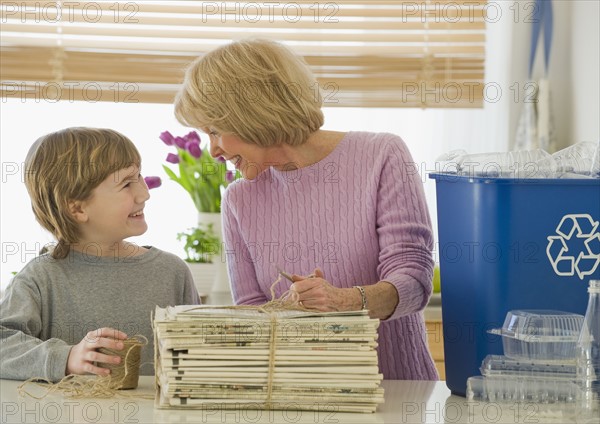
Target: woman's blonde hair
[(67, 165), (256, 89)]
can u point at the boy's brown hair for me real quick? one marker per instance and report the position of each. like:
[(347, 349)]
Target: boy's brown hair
[(67, 165)]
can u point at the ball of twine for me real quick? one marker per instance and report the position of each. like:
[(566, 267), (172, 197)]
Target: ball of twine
[(126, 373)]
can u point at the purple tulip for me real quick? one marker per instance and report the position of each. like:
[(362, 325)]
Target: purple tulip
[(172, 158), (229, 176), (167, 138), (152, 182), (221, 159), (179, 142), (194, 149), (192, 136)]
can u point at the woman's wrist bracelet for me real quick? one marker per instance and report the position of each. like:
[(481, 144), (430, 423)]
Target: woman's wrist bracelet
[(363, 297)]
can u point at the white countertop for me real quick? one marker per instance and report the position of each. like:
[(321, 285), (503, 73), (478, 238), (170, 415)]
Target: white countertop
[(405, 402)]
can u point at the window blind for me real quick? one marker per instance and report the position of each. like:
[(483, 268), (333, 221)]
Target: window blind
[(425, 53)]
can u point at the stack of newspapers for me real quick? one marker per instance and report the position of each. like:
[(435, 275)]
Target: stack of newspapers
[(239, 357)]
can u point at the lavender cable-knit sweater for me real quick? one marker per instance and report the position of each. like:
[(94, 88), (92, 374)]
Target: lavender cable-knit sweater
[(360, 215)]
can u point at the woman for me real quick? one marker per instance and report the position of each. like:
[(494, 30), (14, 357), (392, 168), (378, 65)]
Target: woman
[(343, 207)]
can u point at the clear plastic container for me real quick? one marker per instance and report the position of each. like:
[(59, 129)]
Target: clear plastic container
[(503, 366), (540, 335), (506, 389)]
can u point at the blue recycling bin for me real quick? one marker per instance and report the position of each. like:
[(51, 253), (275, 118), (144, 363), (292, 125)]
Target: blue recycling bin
[(510, 244)]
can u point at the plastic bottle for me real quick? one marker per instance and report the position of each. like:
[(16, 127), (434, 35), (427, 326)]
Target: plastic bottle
[(575, 159), (595, 171), (588, 359), (499, 164)]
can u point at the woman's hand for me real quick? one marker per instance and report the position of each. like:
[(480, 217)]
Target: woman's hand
[(83, 355), (314, 292)]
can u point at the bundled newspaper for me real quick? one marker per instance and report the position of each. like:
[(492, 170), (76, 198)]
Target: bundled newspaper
[(209, 357)]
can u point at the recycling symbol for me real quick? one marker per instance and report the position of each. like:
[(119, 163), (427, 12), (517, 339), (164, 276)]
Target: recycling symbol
[(576, 247)]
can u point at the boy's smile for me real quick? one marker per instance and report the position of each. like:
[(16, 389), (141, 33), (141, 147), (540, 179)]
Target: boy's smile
[(138, 214), (114, 211)]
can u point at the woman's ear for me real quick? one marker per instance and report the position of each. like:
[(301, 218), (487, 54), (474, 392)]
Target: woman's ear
[(76, 208)]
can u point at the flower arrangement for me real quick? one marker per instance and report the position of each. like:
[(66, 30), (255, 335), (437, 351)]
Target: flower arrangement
[(202, 176), (205, 179)]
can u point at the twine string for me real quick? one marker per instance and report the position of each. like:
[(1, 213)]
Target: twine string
[(272, 350), (288, 301), (124, 375)]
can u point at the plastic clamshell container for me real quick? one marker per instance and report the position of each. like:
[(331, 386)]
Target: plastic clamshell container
[(501, 247), (503, 366), (505, 389), (540, 335)]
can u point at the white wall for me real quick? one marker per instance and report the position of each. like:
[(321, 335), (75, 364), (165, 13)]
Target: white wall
[(560, 72), (584, 58), (574, 69)]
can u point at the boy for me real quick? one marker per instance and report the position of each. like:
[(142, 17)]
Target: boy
[(94, 289)]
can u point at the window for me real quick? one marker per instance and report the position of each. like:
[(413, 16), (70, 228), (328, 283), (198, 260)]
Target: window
[(387, 65), (423, 53)]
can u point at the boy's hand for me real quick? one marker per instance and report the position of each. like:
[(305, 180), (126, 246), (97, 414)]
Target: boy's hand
[(83, 355)]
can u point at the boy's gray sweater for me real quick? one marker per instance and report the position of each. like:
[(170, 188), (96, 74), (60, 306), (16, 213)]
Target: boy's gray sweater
[(52, 304)]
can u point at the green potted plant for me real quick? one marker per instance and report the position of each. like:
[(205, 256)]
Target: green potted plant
[(201, 246)]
